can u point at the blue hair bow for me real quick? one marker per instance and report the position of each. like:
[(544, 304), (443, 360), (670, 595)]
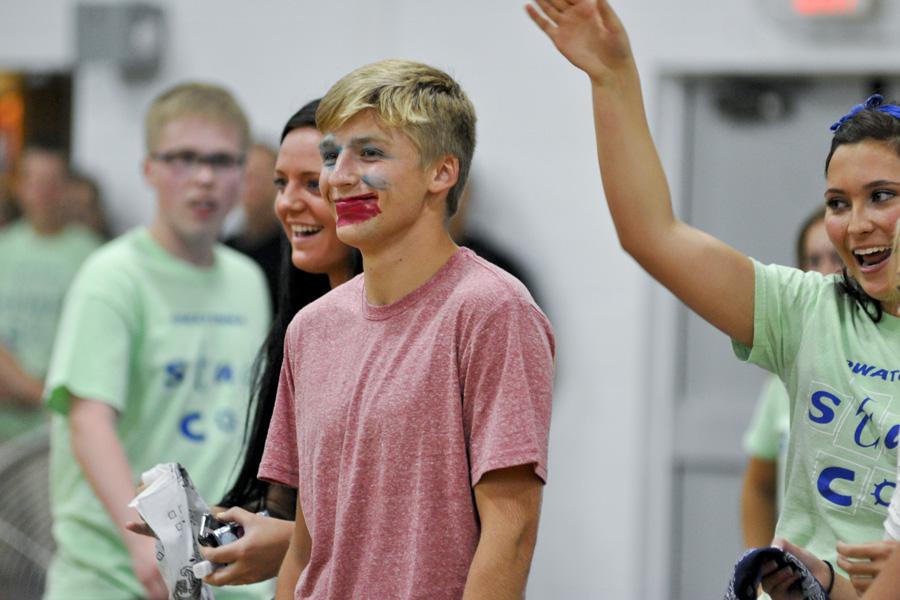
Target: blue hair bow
[(873, 102)]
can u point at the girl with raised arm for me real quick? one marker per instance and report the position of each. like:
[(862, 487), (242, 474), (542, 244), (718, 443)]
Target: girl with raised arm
[(834, 341)]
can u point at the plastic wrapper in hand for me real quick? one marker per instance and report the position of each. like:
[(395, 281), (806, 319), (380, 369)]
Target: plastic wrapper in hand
[(172, 508)]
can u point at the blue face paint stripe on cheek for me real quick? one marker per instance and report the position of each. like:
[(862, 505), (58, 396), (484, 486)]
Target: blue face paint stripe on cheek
[(375, 182)]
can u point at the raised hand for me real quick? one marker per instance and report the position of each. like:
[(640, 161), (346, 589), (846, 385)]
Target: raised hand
[(588, 33)]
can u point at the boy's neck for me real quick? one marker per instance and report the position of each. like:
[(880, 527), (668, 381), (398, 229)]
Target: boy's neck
[(47, 228), (199, 254), (394, 272)]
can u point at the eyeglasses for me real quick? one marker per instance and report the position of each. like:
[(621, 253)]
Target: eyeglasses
[(183, 162)]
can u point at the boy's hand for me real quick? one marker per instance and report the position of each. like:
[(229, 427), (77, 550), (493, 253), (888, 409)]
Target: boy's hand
[(139, 527), (588, 33), (16, 385), (143, 562)]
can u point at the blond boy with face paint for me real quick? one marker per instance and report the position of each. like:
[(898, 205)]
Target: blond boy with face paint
[(152, 359), (414, 404)]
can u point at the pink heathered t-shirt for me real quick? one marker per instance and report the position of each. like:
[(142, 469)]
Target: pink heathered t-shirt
[(387, 416)]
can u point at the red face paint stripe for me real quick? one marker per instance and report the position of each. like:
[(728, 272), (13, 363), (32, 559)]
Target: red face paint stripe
[(350, 212)]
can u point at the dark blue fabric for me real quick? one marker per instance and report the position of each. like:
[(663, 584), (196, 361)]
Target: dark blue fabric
[(747, 575)]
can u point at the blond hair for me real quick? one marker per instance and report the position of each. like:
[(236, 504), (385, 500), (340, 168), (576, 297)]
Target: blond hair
[(425, 102), (192, 99)]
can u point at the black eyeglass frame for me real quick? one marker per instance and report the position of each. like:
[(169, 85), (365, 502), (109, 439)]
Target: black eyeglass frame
[(188, 159)]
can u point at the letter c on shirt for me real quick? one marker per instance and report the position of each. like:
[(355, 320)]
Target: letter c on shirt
[(827, 476), (186, 430), (890, 441), (826, 412)]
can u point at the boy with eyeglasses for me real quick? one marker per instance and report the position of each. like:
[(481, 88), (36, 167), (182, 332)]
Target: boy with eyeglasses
[(151, 363)]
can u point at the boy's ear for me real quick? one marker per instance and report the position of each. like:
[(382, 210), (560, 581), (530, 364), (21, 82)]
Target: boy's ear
[(145, 169), (445, 174)]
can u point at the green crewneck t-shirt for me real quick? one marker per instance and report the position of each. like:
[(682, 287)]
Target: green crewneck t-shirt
[(842, 373), (35, 272), (170, 347)]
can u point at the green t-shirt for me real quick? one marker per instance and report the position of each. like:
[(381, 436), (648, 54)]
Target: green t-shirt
[(170, 347), (767, 436), (842, 373), (35, 272)]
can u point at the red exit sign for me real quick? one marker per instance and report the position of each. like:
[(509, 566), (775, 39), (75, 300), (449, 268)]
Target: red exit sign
[(831, 8)]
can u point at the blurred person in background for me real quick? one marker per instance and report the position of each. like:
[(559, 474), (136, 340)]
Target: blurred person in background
[(766, 438), (39, 256), (84, 203), (152, 360), (259, 232), (9, 212), (464, 234)]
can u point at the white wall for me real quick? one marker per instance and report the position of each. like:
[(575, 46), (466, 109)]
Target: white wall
[(539, 194)]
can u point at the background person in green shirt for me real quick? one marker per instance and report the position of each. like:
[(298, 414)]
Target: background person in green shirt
[(766, 438), (152, 360), (39, 256), (85, 205)]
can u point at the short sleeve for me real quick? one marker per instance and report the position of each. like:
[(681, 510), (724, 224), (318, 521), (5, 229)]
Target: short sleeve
[(784, 297), (279, 463), (763, 437), (507, 371), (92, 352)]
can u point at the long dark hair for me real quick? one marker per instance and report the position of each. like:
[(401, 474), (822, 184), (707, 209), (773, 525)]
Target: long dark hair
[(867, 124), (296, 289)]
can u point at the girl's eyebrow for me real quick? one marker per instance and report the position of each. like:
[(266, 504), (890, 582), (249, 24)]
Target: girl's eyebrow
[(879, 183), (871, 185)]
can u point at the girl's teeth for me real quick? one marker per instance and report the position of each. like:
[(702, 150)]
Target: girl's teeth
[(870, 251), (305, 229)]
